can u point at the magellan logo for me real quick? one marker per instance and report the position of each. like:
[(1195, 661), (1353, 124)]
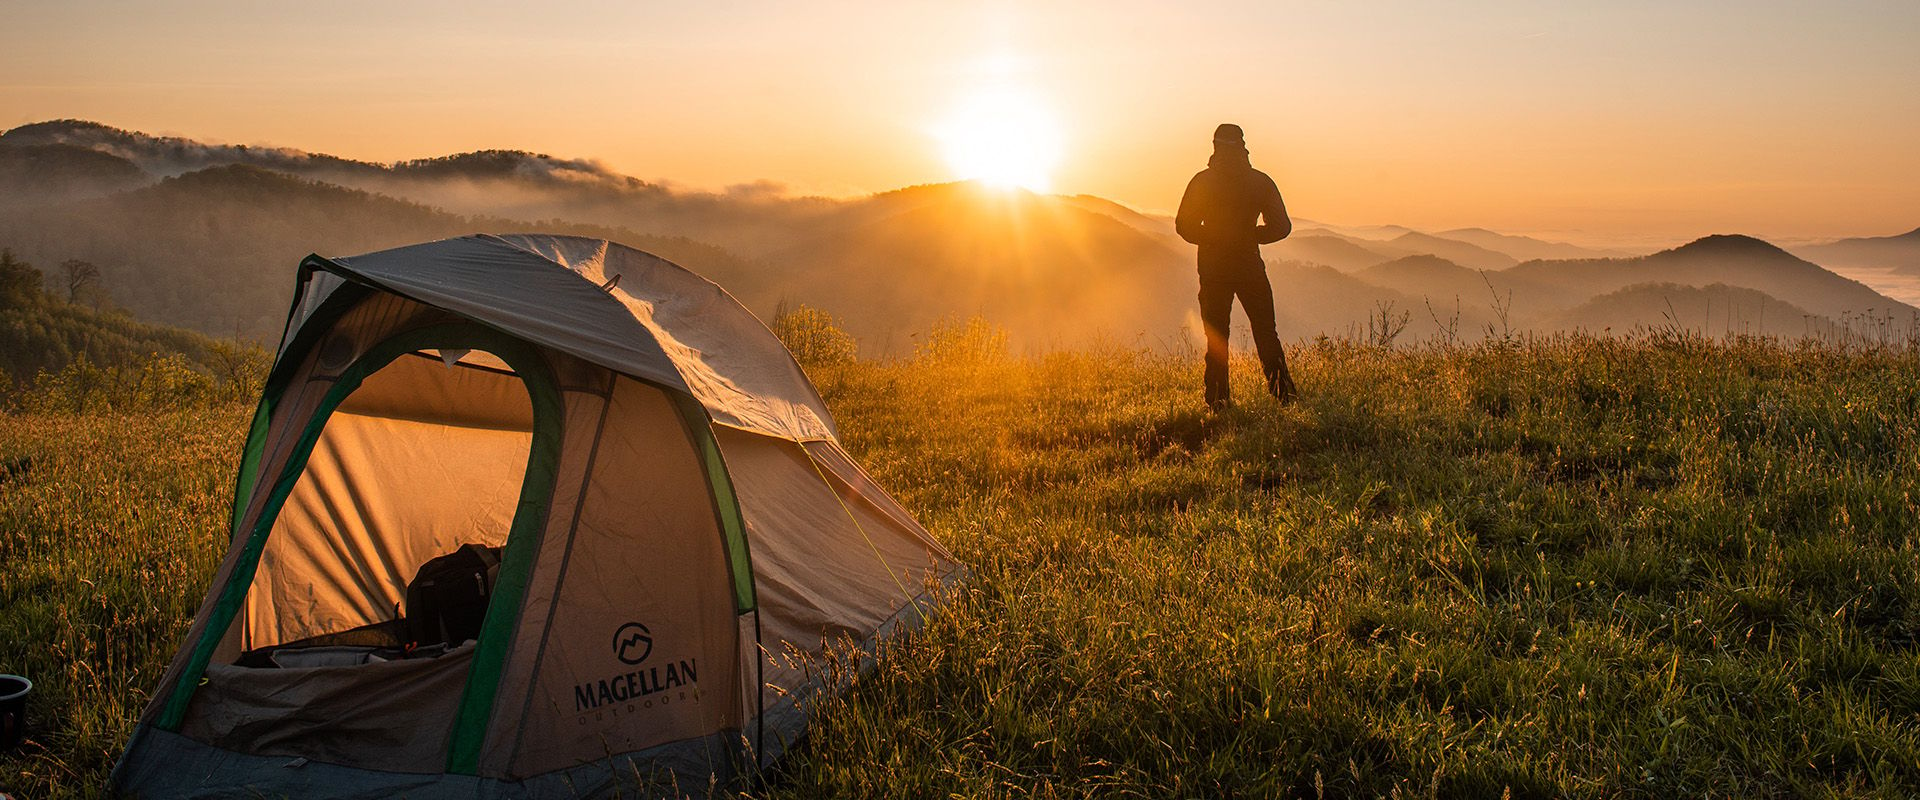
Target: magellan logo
[(668, 680), (632, 643)]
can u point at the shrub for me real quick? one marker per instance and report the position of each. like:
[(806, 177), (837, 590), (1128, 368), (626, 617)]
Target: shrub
[(240, 369), (160, 382), (973, 341), (814, 336)]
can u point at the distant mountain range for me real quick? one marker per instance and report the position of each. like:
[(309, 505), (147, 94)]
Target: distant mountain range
[(206, 236), (1892, 263), (1903, 249), (1721, 259), (1524, 248), (1717, 308)]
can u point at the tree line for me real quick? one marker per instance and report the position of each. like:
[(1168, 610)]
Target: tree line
[(66, 347)]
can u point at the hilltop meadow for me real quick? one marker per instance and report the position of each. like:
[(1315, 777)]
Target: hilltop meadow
[(1566, 566)]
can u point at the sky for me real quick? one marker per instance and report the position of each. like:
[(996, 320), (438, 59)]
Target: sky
[(1590, 121)]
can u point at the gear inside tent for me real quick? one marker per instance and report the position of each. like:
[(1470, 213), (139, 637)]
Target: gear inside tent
[(526, 516)]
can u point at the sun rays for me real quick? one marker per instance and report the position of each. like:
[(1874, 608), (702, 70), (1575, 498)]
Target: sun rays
[(1004, 134)]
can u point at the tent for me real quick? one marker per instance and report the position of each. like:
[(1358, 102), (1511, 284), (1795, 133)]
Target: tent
[(650, 501)]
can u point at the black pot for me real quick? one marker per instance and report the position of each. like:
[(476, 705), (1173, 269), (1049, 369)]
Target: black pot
[(13, 709)]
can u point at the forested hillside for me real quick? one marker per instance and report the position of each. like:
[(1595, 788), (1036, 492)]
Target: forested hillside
[(47, 338)]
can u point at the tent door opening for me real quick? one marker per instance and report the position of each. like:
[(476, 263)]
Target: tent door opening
[(389, 544), (390, 541), (433, 452)]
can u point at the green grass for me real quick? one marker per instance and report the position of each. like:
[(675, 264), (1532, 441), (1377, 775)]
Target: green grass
[(111, 526), (1573, 567)]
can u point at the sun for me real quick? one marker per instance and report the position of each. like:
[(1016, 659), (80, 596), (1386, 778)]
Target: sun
[(1004, 137)]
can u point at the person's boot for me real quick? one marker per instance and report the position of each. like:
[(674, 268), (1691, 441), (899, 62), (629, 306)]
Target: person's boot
[(1218, 392), (1280, 385)]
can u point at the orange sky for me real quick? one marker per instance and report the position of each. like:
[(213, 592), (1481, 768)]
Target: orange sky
[(1603, 121)]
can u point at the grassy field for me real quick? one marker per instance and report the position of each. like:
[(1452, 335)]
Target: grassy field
[(1575, 567)]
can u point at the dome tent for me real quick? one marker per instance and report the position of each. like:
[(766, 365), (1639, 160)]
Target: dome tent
[(669, 516)]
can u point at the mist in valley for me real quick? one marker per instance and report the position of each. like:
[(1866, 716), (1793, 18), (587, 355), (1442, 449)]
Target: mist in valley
[(206, 237)]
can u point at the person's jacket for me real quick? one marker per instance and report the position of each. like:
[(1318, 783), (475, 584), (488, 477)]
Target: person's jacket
[(1229, 210)]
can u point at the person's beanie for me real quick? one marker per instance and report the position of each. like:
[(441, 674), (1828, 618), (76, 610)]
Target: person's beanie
[(1229, 133)]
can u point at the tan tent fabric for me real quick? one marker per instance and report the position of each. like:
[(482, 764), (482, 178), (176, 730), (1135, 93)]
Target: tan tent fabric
[(485, 279), (367, 324), (423, 388), (394, 715), (419, 460), (587, 413), (646, 551), (658, 322), (379, 498), (830, 565), (634, 652), (850, 479)]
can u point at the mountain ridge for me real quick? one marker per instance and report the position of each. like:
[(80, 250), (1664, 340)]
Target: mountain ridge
[(205, 247), (1732, 259), (1523, 248)]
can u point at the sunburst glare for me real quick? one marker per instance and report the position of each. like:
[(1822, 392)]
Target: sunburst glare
[(1003, 136)]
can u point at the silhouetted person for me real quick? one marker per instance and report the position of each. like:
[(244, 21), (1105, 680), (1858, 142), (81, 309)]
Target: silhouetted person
[(1229, 210)]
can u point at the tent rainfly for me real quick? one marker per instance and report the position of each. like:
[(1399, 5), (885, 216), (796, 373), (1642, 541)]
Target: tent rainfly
[(525, 516)]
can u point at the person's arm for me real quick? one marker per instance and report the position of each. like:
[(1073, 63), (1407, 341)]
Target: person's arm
[(1187, 221), (1275, 224)]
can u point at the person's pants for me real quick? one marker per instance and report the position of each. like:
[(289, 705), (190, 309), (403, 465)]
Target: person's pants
[(1216, 310)]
